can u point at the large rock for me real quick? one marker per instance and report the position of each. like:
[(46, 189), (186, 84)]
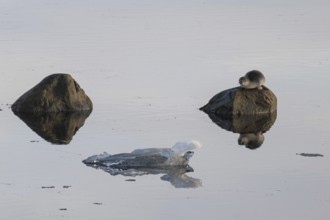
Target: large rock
[(55, 93), (239, 101)]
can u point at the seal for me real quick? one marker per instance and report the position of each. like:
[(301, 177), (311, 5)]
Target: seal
[(253, 79)]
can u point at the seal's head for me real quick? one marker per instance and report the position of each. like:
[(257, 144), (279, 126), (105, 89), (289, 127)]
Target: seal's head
[(244, 81), (253, 79)]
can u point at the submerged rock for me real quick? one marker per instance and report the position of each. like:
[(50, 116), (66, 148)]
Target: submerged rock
[(55, 93), (240, 101), (172, 162), (178, 155)]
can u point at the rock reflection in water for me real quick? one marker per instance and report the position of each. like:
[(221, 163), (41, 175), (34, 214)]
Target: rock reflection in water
[(250, 127), (176, 175), (172, 162), (57, 128)]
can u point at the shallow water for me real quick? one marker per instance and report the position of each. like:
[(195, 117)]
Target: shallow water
[(148, 66)]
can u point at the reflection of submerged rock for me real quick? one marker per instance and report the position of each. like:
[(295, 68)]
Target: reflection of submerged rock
[(176, 175), (173, 162), (250, 127), (57, 128), (245, 123)]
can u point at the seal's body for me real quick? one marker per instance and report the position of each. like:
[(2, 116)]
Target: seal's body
[(253, 79)]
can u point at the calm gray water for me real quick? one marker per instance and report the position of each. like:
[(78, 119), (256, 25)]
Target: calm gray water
[(148, 66)]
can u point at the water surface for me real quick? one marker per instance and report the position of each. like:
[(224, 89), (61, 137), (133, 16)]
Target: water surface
[(148, 66)]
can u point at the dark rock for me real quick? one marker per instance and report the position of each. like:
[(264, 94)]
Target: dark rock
[(55, 93), (240, 101), (56, 127)]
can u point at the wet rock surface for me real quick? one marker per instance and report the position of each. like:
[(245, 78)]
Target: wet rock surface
[(239, 101), (55, 93)]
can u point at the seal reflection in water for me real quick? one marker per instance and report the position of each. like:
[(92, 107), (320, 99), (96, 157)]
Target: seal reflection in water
[(253, 79), (173, 162), (251, 140), (251, 128)]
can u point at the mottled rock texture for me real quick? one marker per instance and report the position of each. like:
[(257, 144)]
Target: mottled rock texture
[(55, 127), (245, 123), (55, 93), (239, 101)]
